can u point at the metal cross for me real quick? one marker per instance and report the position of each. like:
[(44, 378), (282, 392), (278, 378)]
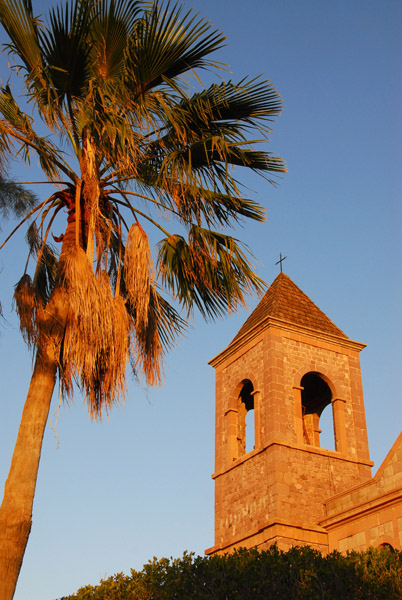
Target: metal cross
[(280, 261)]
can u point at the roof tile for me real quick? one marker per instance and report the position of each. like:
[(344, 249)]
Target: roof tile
[(285, 301)]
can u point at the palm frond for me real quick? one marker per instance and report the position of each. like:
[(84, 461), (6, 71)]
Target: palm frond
[(146, 343), (18, 125), (149, 344), (17, 18), (65, 51), (171, 325), (210, 271), (110, 34), (229, 108), (205, 135), (223, 209), (169, 44), (15, 199)]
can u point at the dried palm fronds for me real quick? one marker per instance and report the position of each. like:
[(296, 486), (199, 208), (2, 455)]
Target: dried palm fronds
[(111, 353), (96, 342), (82, 288), (45, 273), (27, 307), (33, 238), (138, 275), (143, 305)]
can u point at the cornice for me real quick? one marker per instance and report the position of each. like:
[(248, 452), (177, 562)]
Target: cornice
[(331, 454), (378, 502), (288, 327), (270, 525)]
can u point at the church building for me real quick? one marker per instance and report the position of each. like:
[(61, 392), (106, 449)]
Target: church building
[(285, 473)]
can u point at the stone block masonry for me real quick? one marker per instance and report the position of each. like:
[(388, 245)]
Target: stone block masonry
[(288, 364)]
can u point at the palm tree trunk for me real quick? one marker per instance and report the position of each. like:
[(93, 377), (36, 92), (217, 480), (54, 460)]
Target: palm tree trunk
[(19, 489)]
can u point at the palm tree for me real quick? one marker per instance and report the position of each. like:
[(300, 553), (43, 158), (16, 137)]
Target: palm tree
[(126, 143)]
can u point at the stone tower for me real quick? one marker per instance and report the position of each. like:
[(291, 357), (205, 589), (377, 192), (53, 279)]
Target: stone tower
[(287, 365)]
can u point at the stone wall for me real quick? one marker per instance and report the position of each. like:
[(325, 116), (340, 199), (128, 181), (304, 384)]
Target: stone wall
[(369, 514)]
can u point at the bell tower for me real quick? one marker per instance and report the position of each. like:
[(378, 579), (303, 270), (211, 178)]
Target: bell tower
[(287, 368)]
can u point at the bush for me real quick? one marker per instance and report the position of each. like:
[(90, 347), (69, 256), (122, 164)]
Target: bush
[(299, 574)]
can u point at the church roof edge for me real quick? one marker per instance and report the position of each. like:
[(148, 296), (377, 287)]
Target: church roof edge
[(286, 306)]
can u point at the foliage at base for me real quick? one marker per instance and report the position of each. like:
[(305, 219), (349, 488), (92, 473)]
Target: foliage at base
[(300, 573)]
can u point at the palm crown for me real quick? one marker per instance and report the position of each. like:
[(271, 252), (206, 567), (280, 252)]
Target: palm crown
[(108, 78)]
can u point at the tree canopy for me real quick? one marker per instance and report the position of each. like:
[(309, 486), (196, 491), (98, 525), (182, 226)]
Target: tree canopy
[(300, 573)]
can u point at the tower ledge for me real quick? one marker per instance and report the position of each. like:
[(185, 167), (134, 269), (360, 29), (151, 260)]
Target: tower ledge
[(285, 326)]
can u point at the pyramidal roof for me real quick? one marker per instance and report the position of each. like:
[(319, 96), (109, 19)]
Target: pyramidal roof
[(286, 302)]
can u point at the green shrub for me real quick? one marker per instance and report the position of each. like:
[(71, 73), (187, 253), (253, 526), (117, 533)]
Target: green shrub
[(299, 574)]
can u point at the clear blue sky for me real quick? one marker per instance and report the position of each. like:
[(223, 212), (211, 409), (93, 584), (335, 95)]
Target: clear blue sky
[(115, 494)]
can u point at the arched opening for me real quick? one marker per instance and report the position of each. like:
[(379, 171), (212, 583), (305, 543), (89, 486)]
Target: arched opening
[(245, 419), (387, 547), (316, 397)]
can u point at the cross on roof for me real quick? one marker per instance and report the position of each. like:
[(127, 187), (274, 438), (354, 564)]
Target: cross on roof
[(281, 259)]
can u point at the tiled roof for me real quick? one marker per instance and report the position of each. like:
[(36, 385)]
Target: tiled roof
[(285, 301)]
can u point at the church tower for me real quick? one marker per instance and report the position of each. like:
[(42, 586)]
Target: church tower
[(287, 368)]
